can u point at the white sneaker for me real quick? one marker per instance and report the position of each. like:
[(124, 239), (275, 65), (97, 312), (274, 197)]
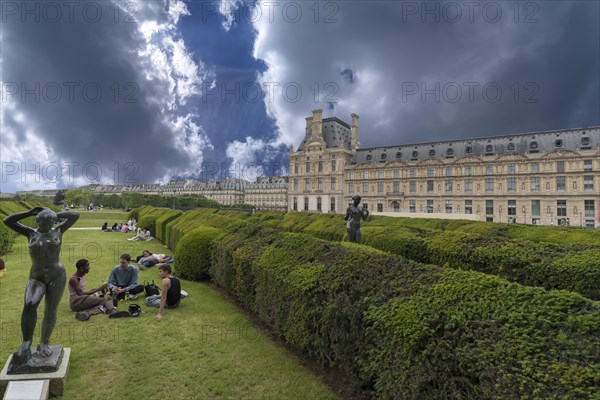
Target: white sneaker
[(132, 296)]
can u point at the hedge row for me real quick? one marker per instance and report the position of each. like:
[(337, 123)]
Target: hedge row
[(401, 328), (491, 248)]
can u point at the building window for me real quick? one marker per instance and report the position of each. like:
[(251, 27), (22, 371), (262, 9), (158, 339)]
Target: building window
[(396, 174), (350, 187), (429, 206), (365, 187), (467, 170), (432, 153), (588, 183), (379, 187), (535, 183), (369, 157), (511, 147), (561, 208), (448, 186), (352, 175), (468, 206), (535, 208), (295, 204), (320, 166), (588, 206), (448, 206), (295, 185), (468, 185), (398, 155), (489, 185), (306, 204), (333, 183), (320, 184), (489, 207), (366, 175), (296, 168), (396, 186), (307, 167), (318, 204), (413, 172), (379, 205), (306, 184), (587, 165), (413, 186), (512, 207), (535, 168), (412, 206), (560, 166), (415, 154), (429, 186), (333, 165), (560, 184), (430, 171), (511, 169), (332, 204), (489, 169), (380, 174), (489, 148), (448, 171), (511, 184)]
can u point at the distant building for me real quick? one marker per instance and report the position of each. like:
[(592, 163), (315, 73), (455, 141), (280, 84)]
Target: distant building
[(550, 177), (268, 193)]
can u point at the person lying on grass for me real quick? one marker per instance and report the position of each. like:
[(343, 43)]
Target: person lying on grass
[(150, 260), (171, 291), (85, 303)]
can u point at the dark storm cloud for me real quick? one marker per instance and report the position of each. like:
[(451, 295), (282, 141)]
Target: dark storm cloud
[(422, 73), (83, 87)]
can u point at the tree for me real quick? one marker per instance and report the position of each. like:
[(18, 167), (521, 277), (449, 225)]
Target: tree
[(78, 196), (59, 197)]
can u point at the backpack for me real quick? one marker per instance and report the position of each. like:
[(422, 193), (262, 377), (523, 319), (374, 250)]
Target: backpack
[(151, 289), (134, 310)]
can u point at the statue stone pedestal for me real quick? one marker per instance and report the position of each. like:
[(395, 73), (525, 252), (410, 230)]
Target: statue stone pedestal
[(57, 378)]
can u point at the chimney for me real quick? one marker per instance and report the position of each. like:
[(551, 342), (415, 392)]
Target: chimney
[(317, 124), (354, 142), (308, 126)]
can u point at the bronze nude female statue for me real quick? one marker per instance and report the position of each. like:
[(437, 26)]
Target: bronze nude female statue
[(353, 215), (47, 277)]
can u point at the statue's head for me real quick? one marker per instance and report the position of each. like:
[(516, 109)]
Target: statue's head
[(46, 219), (356, 199)]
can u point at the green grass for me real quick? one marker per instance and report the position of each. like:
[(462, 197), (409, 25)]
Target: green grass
[(205, 349)]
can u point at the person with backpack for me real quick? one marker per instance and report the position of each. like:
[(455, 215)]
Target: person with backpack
[(171, 291)]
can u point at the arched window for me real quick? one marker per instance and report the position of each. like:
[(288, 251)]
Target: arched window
[(318, 204), (332, 206), (295, 204), (306, 204)]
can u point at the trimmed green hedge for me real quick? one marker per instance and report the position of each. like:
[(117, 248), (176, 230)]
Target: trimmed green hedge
[(11, 207), (194, 251), (162, 221), (411, 330)]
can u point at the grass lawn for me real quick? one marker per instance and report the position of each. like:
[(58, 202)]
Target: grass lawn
[(205, 349)]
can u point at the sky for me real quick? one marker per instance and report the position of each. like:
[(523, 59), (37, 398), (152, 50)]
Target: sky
[(130, 92)]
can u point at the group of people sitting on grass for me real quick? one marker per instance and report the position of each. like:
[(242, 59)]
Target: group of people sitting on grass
[(142, 234), (125, 227), (122, 282)]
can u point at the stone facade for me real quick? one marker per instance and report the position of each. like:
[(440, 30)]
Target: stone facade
[(269, 194), (549, 178)]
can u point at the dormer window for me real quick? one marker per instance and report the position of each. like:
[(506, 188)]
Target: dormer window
[(450, 151), (511, 147), (369, 157), (431, 153), (415, 154), (489, 148), (398, 155), (558, 143), (383, 156), (585, 142)]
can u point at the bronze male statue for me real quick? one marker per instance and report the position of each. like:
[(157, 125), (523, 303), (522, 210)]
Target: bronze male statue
[(353, 215), (47, 277)]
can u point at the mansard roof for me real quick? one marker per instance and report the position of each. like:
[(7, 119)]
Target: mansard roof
[(336, 133), (519, 144)]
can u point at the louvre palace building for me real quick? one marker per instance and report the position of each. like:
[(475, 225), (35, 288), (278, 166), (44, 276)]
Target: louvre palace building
[(547, 178)]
